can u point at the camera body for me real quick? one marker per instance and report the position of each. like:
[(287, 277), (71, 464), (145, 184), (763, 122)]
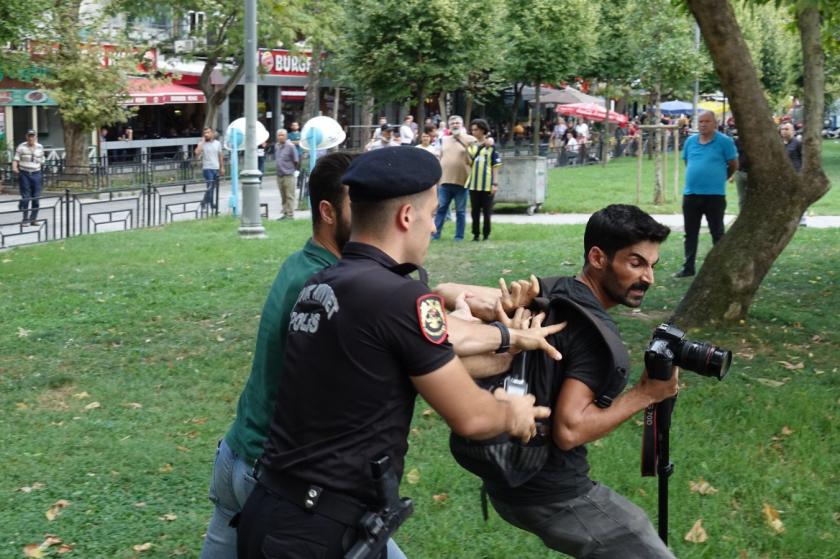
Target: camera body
[(669, 347)]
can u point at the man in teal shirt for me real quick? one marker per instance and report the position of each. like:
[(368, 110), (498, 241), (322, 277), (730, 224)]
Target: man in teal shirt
[(710, 158), (233, 479)]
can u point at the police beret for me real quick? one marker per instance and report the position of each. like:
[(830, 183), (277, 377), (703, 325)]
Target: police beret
[(391, 172)]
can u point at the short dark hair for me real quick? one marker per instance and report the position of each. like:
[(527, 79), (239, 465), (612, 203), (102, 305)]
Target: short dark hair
[(325, 182), (481, 123), (618, 226)]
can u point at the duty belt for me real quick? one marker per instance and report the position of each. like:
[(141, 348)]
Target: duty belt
[(313, 498)]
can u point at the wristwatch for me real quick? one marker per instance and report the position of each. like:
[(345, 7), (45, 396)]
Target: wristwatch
[(505, 345)]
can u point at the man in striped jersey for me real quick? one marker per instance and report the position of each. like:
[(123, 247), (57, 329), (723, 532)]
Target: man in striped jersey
[(483, 181)]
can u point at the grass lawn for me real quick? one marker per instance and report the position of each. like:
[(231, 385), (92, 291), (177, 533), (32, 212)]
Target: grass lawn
[(122, 356), (585, 188)]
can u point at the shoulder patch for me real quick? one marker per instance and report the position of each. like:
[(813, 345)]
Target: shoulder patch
[(432, 318)]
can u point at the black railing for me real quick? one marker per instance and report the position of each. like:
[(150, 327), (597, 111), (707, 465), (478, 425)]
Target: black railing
[(72, 213)]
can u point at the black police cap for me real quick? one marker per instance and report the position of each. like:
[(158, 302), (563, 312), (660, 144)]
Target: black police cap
[(390, 173)]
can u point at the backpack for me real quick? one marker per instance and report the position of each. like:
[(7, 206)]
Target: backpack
[(509, 460)]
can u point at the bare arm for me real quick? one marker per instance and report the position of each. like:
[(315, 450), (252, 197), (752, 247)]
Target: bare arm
[(482, 300), (578, 420), (487, 364), (475, 413), (474, 338), (199, 147), (731, 167), (221, 163)]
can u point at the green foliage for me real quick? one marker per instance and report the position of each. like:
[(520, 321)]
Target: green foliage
[(393, 48), (549, 41)]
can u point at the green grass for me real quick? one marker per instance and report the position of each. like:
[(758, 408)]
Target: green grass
[(585, 188), (158, 326)]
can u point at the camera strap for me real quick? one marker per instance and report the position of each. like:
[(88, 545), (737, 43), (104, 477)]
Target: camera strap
[(649, 450)]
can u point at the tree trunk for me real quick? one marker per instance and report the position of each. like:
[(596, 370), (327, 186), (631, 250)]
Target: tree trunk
[(468, 106), (216, 97), (421, 110), (535, 126), (607, 135), (75, 142), (312, 103), (514, 112), (366, 120), (659, 182), (776, 195), (442, 108)]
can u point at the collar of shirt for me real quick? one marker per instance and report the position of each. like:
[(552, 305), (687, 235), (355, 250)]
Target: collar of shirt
[(356, 250)]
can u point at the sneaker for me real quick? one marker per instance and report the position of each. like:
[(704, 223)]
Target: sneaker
[(683, 274), (35, 222)]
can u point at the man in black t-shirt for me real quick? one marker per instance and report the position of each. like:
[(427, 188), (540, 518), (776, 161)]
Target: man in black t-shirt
[(364, 339), (560, 503)]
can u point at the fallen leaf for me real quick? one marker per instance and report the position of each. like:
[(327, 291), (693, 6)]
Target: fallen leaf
[(134, 405), (139, 548), (703, 487), (81, 395), (697, 534), (93, 406), (56, 509), (22, 406), (168, 517), (165, 469), (33, 550), (23, 332), (220, 338), (771, 516), (791, 366), (65, 548), (769, 382), (429, 413), (140, 505), (787, 431), (440, 497), (182, 448), (413, 477), (30, 488)]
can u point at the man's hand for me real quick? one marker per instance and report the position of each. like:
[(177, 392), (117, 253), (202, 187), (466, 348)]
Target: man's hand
[(522, 415), (520, 294), (658, 390), (532, 337)]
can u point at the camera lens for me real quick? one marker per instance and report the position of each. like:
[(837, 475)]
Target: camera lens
[(705, 359)]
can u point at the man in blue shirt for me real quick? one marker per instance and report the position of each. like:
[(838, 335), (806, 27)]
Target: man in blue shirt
[(710, 158)]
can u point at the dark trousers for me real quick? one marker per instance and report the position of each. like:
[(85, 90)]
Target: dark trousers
[(481, 203), (30, 192), (695, 206), (271, 527)]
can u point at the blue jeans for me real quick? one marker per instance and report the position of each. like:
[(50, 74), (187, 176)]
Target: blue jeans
[(230, 486), (30, 192), (446, 193), (212, 178)]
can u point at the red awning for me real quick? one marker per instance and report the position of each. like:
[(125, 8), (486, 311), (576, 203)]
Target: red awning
[(145, 92)]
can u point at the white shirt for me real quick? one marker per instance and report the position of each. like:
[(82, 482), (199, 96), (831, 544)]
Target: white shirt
[(406, 134), (29, 158), (583, 130)]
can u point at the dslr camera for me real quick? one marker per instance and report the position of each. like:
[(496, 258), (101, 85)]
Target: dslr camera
[(668, 347)]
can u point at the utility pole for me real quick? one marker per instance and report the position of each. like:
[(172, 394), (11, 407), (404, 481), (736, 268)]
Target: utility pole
[(250, 226)]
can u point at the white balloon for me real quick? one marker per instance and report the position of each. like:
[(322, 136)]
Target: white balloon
[(326, 131), (237, 128)]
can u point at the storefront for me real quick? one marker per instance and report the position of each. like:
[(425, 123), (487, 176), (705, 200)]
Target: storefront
[(23, 106)]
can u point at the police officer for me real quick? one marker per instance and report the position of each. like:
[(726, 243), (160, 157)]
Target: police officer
[(364, 339)]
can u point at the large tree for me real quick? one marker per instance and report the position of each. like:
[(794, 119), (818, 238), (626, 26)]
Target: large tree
[(776, 195), (547, 41)]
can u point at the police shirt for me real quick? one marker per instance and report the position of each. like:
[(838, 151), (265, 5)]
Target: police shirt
[(358, 332)]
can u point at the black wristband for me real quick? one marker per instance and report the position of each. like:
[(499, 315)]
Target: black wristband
[(505, 345)]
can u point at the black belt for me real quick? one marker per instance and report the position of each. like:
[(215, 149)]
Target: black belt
[(30, 172), (313, 498)]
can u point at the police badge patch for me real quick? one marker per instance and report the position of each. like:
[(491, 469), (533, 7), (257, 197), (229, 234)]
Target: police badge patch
[(432, 318)]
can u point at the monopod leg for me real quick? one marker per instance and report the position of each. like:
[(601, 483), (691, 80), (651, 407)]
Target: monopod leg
[(664, 466)]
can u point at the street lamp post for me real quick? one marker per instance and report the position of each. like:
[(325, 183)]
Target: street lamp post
[(250, 226)]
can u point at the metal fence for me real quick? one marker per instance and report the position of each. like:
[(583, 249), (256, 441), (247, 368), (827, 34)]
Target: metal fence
[(72, 213)]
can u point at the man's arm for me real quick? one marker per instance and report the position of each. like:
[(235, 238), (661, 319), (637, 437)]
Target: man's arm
[(199, 147), (731, 167), (15, 160), (483, 300), (577, 420), (487, 364), (475, 413), (474, 338), (221, 162)]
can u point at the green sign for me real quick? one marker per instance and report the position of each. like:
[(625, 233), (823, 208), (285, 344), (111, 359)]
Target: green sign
[(25, 97)]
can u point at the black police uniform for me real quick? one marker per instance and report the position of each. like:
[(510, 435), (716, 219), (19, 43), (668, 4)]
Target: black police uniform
[(359, 330)]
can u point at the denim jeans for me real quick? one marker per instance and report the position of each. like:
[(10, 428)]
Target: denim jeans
[(212, 178), (600, 524), (231, 484), (30, 192), (446, 193)]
